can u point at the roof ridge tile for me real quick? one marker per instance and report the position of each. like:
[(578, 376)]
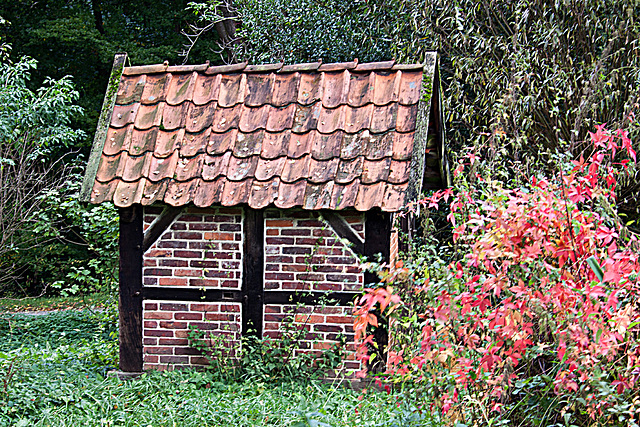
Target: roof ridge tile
[(339, 66)]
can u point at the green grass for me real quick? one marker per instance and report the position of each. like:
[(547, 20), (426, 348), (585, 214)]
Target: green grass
[(12, 305), (53, 373)]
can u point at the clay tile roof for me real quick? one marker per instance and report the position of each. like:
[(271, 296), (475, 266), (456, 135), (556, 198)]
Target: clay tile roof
[(313, 135)]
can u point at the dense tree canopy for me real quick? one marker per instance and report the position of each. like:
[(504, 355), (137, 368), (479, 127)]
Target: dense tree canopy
[(80, 38)]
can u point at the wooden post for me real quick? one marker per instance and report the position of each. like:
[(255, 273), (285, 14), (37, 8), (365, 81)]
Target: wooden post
[(131, 236), (377, 232), (252, 274)]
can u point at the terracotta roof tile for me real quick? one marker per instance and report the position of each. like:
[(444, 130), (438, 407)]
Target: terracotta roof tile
[(142, 141), (128, 193), (199, 117), (403, 145), (267, 169), (305, 118), (153, 191), (291, 195), (369, 196), (124, 114), (232, 89), (310, 89), (135, 166), (194, 143), (318, 196), (322, 171), (174, 116), (208, 193), (331, 119), (155, 88), (235, 193), (338, 66), (393, 198), (188, 168), (345, 196), (168, 142), (386, 86), (215, 166), (357, 119), (285, 89), (103, 192), (349, 170), (384, 118), (353, 145), (320, 136), (263, 193), (398, 171), (275, 144), (407, 116), (206, 89), (111, 167), (248, 144), (259, 89), (372, 66), (161, 168), (335, 89), (280, 118), (181, 88), (226, 118), (410, 85), (253, 118), (326, 146), (148, 116), (117, 140), (379, 146), (361, 89), (180, 193), (295, 169), (130, 89), (299, 145), (375, 170), (241, 168), (221, 142)]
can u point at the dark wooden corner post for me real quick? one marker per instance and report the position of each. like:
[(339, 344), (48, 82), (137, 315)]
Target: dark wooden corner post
[(131, 237), (252, 274), (377, 232)]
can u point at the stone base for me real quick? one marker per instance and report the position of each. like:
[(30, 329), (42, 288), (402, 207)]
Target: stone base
[(124, 376)]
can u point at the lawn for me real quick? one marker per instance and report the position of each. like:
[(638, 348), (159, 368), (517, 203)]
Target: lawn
[(53, 373)]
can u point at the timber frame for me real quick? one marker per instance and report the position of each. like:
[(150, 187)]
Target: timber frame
[(134, 242)]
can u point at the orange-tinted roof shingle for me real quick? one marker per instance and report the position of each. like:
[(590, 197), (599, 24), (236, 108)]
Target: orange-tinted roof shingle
[(316, 136)]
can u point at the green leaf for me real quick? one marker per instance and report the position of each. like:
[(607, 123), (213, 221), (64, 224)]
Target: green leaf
[(593, 263)]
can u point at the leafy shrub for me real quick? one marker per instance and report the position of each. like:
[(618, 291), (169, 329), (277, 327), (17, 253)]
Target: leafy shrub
[(535, 320), (266, 359)]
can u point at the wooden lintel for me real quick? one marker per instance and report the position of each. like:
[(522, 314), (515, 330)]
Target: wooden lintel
[(236, 295), (191, 294), (159, 226), (344, 230)]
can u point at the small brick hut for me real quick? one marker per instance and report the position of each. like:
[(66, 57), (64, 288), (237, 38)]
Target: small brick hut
[(244, 190)]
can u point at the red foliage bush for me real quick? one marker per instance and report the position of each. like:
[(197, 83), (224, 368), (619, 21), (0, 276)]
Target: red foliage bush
[(546, 285)]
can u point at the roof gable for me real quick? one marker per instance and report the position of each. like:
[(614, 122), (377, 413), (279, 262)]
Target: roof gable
[(317, 136)]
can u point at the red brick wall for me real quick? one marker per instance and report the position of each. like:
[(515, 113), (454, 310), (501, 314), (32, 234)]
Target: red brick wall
[(166, 325), (324, 325), (202, 248), (304, 253)]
